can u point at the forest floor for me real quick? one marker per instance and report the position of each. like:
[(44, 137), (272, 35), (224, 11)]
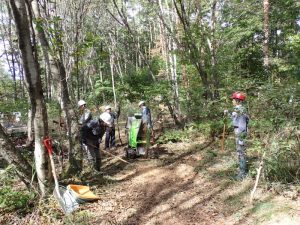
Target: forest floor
[(182, 183)]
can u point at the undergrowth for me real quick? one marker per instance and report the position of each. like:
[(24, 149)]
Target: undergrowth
[(12, 197)]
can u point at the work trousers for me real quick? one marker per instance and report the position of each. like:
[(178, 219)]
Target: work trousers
[(110, 137), (241, 151), (93, 154)]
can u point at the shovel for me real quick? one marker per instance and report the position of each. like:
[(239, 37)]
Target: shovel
[(65, 199)]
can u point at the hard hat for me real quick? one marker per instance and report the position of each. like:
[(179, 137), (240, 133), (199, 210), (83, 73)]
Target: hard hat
[(238, 95), (141, 103), (81, 102), (107, 107), (106, 117)]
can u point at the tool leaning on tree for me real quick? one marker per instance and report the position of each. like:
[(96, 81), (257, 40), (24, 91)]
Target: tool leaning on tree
[(68, 198), (65, 199)]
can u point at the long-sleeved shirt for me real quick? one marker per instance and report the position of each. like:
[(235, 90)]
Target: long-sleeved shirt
[(240, 118), (146, 116), (85, 117)]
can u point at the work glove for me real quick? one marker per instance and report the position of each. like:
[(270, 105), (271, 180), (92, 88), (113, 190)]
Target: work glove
[(83, 142), (84, 147)]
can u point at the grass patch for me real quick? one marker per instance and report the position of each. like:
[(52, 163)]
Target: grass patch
[(229, 172), (208, 158), (79, 218), (12, 197)]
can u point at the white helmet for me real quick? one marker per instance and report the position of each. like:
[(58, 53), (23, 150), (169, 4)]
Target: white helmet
[(81, 102), (107, 107), (106, 117), (141, 103)]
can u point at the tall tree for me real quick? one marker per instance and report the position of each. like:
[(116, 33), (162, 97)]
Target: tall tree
[(21, 11), (266, 64), (54, 60)]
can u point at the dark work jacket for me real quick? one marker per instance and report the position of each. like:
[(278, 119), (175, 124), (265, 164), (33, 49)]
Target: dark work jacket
[(92, 130)]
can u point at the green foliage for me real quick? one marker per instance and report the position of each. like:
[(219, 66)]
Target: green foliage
[(11, 199), (53, 110), (210, 128), (283, 156), (208, 158), (173, 136), (275, 113), (293, 59), (20, 105)]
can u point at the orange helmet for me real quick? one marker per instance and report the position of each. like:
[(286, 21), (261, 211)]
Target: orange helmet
[(238, 95)]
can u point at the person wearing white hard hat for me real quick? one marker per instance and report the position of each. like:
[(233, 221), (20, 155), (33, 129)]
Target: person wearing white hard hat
[(146, 124), (108, 117), (90, 135), (146, 114), (85, 113)]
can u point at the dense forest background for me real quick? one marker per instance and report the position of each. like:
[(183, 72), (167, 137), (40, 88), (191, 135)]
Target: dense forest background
[(183, 57)]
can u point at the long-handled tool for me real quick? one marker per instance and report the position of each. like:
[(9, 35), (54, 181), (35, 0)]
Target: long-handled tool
[(67, 202), (117, 157)]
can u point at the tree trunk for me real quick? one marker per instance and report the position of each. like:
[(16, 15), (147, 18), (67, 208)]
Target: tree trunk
[(173, 66), (213, 50), (58, 72), (266, 63), (21, 14), (112, 62)]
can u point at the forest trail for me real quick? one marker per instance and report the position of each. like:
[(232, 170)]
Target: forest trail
[(187, 183)]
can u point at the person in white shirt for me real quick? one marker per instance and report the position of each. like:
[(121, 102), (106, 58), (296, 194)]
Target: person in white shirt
[(108, 117)]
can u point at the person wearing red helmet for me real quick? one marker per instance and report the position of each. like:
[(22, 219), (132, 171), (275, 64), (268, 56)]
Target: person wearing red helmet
[(240, 120)]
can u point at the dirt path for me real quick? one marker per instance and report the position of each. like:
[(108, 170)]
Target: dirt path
[(189, 183), (184, 184)]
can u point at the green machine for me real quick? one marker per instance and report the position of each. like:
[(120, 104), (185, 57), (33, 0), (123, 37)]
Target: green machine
[(138, 137)]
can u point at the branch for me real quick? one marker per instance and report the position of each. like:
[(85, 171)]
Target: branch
[(257, 178)]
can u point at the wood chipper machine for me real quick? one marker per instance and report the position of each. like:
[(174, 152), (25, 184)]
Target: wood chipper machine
[(138, 135)]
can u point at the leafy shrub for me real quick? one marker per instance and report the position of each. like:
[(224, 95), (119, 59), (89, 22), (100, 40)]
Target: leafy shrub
[(12, 200), (282, 161), (173, 136), (210, 128)]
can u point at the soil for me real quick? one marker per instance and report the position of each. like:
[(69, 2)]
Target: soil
[(179, 184)]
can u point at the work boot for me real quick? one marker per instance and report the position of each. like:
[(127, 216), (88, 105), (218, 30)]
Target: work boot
[(241, 176)]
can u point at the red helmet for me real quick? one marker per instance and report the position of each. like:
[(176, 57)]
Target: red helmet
[(238, 95)]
